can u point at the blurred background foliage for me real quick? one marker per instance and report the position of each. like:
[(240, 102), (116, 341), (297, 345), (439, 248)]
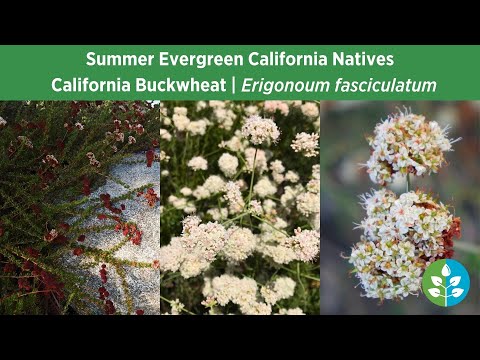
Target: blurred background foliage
[(343, 147)]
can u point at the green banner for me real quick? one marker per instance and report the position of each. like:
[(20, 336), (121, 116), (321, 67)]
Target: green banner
[(239, 72)]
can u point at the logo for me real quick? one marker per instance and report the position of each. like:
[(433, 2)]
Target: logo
[(446, 282)]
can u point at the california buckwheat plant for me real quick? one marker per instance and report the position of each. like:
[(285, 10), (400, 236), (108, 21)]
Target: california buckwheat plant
[(73, 235), (240, 208), (402, 234)]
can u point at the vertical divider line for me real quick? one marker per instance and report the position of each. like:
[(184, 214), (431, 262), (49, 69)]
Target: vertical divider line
[(160, 214)]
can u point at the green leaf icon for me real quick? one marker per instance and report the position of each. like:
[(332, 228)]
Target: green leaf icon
[(446, 282)]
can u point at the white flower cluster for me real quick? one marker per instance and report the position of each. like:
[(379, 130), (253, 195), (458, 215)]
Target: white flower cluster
[(283, 249), (277, 169), (236, 143), (3, 122), (292, 176), (218, 214), (294, 311), (200, 244), (244, 293), (214, 184), (305, 244), (406, 143), (240, 244), (251, 110), (305, 199), (198, 163), (402, 236), (164, 157), (256, 207), (198, 127), (307, 144), (308, 203), (228, 164), (310, 109), (195, 249), (234, 197), (281, 288), (165, 135), (271, 106), (223, 114), (259, 130), (180, 119), (176, 308), (264, 187), (251, 198)]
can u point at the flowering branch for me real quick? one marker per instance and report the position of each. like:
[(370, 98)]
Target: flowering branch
[(401, 235)]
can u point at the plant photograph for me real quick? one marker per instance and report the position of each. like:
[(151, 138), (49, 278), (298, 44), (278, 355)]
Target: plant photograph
[(400, 199), (240, 207), (79, 207)]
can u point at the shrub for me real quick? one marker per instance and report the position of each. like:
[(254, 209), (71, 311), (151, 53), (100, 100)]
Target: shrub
[(52, 155)]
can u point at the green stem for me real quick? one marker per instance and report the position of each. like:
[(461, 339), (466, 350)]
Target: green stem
[(273, 198), (303, 287), (212, 153), (270, 224), (251, 180), (235, 218), (175, 275), (185, 148), (171, 302), (408, 182), (302, 275)]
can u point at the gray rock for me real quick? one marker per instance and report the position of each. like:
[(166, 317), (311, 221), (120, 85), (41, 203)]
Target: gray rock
[(143, 284)]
